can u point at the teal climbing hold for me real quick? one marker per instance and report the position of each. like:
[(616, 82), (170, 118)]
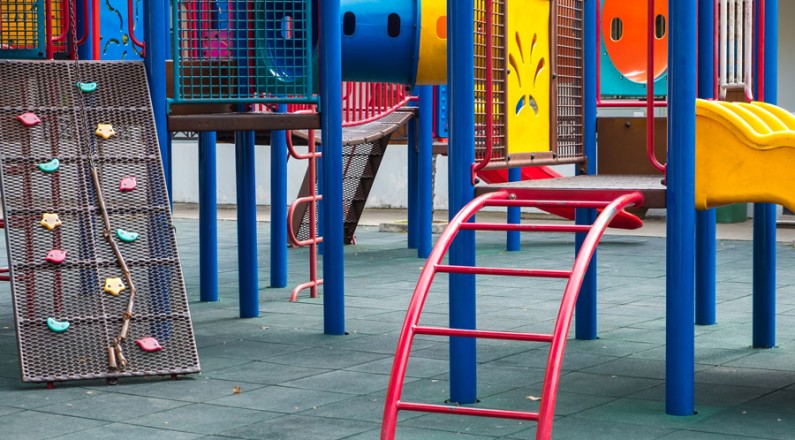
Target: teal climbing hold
[(57, 326), (87, 87), (51, 166), (126, 236)]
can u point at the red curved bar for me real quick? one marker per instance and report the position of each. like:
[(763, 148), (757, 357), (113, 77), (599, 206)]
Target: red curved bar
[(557, 339), (291, 215)]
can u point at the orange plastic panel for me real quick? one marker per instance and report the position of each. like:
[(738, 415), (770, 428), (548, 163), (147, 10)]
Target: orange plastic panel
[(629, 51)]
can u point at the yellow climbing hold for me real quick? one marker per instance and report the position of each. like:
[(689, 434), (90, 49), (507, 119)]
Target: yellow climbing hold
[(114, 286), (50, 221), (105, 131)]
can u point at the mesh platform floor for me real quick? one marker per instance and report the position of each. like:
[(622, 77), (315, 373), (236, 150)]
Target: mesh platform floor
[(73, 290)]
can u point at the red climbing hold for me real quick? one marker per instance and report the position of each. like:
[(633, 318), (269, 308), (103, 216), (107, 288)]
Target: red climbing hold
[(128, 184), (56, 256), (29, 119), (149, 345)]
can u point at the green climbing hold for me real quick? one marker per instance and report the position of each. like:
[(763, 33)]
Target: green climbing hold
[(51, 166), (125, 236), (57, 326), (87, 87)]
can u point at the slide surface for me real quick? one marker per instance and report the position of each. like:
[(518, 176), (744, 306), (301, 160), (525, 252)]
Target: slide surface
[(745, 152)]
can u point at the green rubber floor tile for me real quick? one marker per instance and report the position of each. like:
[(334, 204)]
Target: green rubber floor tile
[(112, 407), (299, 427), (418, 367), (409, 433), (329, 358), (369, 408), (648, 413), (695, 435), (36, 396), (711, 395), (575, 428), (196, 388), (203, 419), (756, 424), (123, 431), (38, 425), (772, 379), (483, 426), (265, 373), (609, 385), (342, 381), (280, 399), (252, 350)]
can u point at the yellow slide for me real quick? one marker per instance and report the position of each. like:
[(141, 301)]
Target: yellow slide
[(745, 152)]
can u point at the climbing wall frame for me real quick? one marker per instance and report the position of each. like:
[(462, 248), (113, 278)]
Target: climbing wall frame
[(49, 294)]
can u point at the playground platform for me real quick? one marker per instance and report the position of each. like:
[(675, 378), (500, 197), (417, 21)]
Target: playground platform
[(278, 377)]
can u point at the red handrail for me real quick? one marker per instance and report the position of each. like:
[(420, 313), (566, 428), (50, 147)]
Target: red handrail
[(557, 338), (489, 98), (311, 156), (131, 29), (649, 103)]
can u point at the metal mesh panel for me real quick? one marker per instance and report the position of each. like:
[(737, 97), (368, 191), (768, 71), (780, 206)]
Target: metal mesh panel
[(22, 32), (360, 165), (569, 77), (72, 290), (498, 84), (235, 51)]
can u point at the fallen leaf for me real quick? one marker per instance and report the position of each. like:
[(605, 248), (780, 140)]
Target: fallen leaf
[(236, 390), (533, 398)]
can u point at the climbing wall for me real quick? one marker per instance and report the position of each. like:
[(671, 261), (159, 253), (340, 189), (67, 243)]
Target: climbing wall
[(70, 294)]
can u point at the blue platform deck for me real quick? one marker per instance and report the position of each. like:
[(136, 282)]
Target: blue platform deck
[(296, 383)]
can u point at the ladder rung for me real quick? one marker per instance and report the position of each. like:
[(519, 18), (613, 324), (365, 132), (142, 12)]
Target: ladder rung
[(548, 203), (471, 270), (488, 334), (524, 228), (468, 411)]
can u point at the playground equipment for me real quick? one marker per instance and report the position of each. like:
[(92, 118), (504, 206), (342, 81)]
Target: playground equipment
[(94, 263), (626, 68), (744, 152)]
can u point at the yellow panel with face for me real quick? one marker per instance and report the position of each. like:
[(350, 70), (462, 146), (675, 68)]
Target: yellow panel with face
[(529, 66)]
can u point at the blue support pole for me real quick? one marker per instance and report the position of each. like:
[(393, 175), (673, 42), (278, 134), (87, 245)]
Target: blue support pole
[(245, 178), (157, 38), (331, 168), (705, 220), (764, 278), (208, 222), (412, 148), (514, 238), (425, 171), (585, 326), (461, 81), (279, 206), (680, 256), (246, 224)]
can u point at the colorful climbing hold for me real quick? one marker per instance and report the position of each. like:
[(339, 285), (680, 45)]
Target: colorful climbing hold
[(29, 119), (126, 236), (128, 184), (105, 131), (56, 256), (51, 166), (149, 345), (50, 220), (87, 87), (114, 286), (57, 326)]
